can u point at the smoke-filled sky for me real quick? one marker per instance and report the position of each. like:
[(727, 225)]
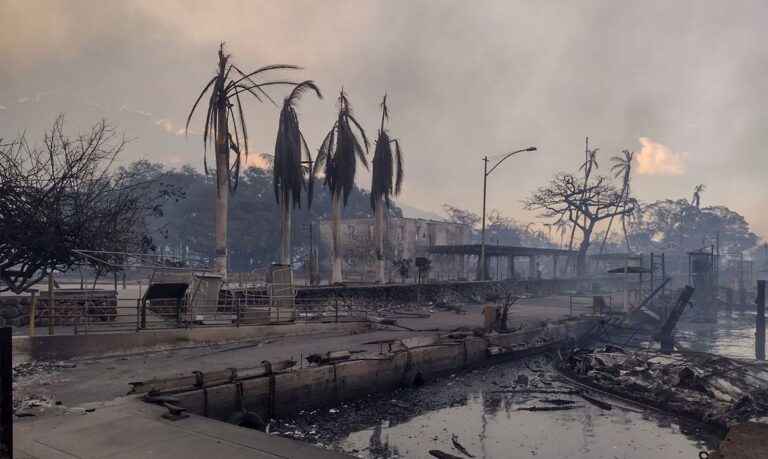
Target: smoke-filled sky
[(681, 83)]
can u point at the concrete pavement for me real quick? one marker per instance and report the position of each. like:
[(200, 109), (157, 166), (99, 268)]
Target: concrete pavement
[(129, 428)]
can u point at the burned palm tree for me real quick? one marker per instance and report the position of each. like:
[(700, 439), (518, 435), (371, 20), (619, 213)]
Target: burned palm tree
[(386, 182), (696, 200), (224, 117), (288, 164), (338, 156), (590, 162), (622, 167)]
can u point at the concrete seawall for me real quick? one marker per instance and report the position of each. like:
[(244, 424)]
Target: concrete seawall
[(317, 386), (61, 347)]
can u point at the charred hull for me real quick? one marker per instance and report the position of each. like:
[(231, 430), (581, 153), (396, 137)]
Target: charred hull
[(714, 390)]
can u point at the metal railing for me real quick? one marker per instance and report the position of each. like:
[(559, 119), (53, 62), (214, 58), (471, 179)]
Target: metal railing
[(97, 314)]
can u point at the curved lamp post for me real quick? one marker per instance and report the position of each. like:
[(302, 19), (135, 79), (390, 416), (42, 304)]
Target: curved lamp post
[(496, 160)]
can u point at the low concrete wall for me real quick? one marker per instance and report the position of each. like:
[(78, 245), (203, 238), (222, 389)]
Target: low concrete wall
[(318, 386), (57, 347)]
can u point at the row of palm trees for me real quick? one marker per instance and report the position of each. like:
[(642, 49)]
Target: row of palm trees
[(343, 147)]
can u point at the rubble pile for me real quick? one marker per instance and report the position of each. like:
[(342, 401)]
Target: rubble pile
[(29, 382), (704, 387)]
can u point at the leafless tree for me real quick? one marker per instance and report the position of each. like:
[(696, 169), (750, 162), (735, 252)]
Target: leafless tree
[(584, 205), (461, 216), (65, 195)]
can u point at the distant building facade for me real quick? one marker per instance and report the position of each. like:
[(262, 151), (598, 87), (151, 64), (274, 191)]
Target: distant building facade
[(404, 239)]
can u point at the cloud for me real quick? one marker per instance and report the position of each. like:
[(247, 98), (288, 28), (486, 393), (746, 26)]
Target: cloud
[(125, 108), (164, 123), (37, 98), (168, 126), (93, 103), (657, 159)]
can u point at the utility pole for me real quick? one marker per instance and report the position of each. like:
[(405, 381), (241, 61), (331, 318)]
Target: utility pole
[(481, 261), (482, 271)]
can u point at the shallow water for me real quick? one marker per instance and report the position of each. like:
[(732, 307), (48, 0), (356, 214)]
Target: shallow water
[(490, 423), (729, 332)]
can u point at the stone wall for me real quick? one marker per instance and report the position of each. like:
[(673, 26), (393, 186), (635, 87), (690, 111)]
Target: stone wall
[(70, 307)]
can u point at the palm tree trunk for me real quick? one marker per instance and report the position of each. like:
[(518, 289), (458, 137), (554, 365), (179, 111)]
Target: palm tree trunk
[(626, 236), (285, 220), (378, 234), (581, 257), (607, 231), (624, 216), (335, 246), (222, 190)]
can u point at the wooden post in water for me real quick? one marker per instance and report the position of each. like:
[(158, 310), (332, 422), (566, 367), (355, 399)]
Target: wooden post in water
[(760, 322)]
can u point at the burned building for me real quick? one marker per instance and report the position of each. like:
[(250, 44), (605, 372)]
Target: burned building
[(404, 239)]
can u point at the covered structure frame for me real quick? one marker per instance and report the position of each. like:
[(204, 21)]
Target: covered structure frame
[(509, 254)]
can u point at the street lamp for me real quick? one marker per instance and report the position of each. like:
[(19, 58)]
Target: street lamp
[(496, 161)]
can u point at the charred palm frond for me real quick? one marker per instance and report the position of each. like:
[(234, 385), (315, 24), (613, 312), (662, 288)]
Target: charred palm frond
[(341, 150), (291, 151), (225, 109), (590, 162), (387, 166), (622, 165)]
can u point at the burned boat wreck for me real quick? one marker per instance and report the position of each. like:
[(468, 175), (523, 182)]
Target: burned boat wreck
[(635, 357), (701, 386)]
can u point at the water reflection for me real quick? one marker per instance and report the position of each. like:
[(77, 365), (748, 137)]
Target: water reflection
[(487, 413), (587, 432), (731, 333)]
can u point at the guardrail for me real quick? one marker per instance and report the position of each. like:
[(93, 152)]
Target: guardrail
[(88, 314)]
